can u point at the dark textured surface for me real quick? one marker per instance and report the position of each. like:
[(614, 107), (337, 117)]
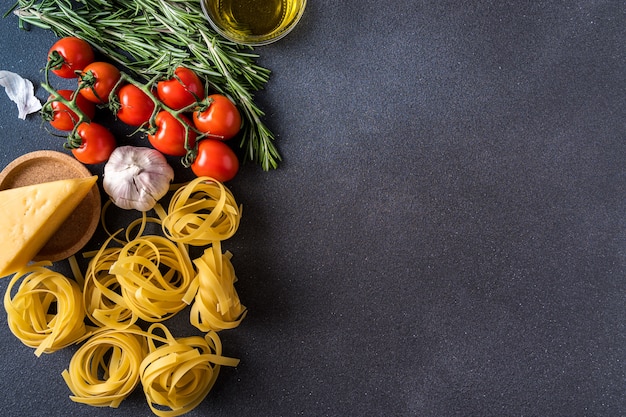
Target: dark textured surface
[(446, 234)]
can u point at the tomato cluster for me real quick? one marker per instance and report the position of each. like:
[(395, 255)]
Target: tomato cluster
[(177, 114), (213, 120), (73, 110)]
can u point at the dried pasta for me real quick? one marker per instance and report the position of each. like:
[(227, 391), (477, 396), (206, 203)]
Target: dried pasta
[(200, 212), (177, 375), (155, 276), (135, 277), (105, 369), (217, 305), (138, 226), (46, 312), (104, 303)]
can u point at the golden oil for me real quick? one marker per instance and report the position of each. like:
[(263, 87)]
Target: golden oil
[(253, 22)]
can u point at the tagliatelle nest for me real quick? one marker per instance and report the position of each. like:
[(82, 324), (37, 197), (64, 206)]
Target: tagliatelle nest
[(46, 312), (155, 277), (202, 212), (177, 376), (105, 370), (216, 306)]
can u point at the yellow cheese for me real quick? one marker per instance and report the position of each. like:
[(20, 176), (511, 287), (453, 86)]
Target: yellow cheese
[(30, 215)]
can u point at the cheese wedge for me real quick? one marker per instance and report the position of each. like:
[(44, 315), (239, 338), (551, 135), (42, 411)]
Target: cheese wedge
[(30, 215)]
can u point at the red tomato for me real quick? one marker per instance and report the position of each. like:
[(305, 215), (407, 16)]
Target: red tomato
[(216, 160), (136, 107), (182, 90), (69, 55), (97, 81), (63, 118), (170, 135), (221, 119), (97, 143)]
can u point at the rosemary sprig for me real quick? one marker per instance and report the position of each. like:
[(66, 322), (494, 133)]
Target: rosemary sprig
[(150, 37)]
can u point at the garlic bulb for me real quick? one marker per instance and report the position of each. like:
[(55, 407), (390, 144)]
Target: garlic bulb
[(136, 177)]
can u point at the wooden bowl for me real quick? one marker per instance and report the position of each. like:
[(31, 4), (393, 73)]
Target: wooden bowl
[(45, 166)]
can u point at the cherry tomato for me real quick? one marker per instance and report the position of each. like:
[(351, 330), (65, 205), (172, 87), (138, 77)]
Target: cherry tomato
[(216, 160), (170, 135), (97, 143), (63, 118), (73, 54), (136, 107), (97, 81), (221, 118), (182, 90)]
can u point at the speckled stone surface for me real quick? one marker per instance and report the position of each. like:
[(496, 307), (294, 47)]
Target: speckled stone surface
[(445, 236)]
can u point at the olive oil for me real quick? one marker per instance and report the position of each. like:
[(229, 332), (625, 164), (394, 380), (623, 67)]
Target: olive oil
[(254, 21)]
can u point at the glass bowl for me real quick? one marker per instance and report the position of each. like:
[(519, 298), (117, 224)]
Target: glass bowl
[(253, 22)]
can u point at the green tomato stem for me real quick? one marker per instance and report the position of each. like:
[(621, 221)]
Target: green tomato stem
[(73, 141)]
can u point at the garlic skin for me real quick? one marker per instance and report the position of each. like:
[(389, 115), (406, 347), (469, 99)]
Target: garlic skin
[(21, 92), (136, 177)]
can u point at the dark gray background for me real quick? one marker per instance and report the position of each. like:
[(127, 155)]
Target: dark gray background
[(445, 235)]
